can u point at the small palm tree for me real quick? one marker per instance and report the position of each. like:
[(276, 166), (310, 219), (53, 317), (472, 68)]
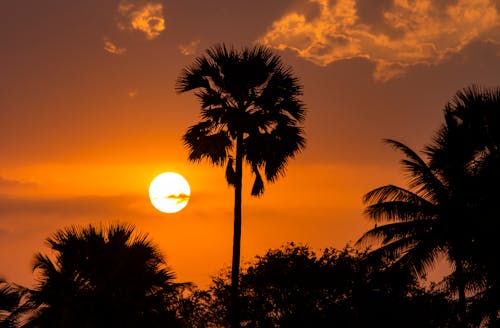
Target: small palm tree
[(250, 112), (102, 277)]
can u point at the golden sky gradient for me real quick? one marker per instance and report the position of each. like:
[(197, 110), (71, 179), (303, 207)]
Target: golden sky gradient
[(89, 115)]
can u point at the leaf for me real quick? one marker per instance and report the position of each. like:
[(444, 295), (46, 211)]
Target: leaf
[(258, 184), (230, 174)]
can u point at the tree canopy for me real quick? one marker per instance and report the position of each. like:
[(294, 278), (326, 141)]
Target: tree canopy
[(102, 277)]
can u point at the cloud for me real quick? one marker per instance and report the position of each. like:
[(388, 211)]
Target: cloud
[(401, 34), (190, 48), (112, 48), (181, 198), (9, 185), (133, 93), (146, 18), (89, 206)]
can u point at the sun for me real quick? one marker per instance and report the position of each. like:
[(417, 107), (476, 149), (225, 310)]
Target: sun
[(169, 192)]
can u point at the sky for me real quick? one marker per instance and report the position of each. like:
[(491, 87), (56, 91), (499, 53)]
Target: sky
[(89, 115)]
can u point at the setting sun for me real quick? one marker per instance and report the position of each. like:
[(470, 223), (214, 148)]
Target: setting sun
[(169, 192)]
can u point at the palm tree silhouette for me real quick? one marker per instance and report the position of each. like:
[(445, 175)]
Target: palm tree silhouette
[(102, 277), (423, 220), (450, 206), (468, 147), (250, 111)]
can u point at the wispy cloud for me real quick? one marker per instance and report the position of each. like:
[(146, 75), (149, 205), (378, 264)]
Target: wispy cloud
[(180, 198), (133, 93), (91, 206), (403, 34), (112, 48), (190, 48), (10, 185), (146, 17)]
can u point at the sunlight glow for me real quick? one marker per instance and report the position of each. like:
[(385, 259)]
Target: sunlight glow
[(169, 192)]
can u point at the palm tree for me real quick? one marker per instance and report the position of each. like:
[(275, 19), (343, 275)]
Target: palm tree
[(102, 277), (424, 221), (470, 141), (250, 112), (449, 207)]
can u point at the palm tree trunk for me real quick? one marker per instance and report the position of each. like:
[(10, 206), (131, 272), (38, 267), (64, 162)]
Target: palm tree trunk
[(235, 269)]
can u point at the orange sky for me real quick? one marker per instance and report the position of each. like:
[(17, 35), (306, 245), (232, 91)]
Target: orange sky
[(89, 115)]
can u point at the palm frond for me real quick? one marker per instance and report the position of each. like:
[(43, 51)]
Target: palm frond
[(393, 203), (230, 173), (422, 258), (406, 150), (392, 193), (417, 249), (45, 269), (195, 76), (285, 142), (258, 184), (9, 296), (399, 211), (13, 304), (272, 150), (203, 143), (422, 179), (391, 232), (212, 101), (391, 251), (282, 95)]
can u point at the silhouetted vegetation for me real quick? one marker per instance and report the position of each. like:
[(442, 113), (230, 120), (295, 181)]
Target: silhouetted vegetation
[(293, 287), (103, 277), (113, 277), (250, 112), (12, 304), (450, 206)]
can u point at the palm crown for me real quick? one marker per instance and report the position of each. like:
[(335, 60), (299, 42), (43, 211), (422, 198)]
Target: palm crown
[(102, 277), (249, 95)]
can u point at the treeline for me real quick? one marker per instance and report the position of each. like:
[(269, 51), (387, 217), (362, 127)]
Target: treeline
[(113, 277)]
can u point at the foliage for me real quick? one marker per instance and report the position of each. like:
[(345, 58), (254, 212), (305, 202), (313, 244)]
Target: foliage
[(250, 96), (450, 204), (12, 304), (293, 287), (471, 139), (250, 112), (103, 277)]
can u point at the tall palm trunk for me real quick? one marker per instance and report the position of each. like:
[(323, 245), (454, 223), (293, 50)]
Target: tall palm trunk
[(235, 269)]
